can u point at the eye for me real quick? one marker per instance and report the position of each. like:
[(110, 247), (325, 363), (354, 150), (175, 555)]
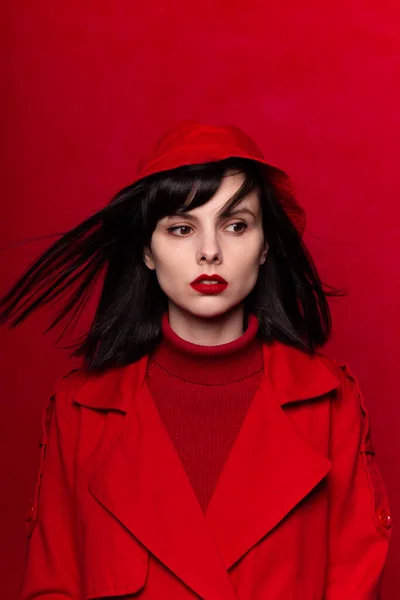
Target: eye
[(242, 227), (173, 230)]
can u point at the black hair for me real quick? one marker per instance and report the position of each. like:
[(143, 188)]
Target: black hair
[(288, 299)]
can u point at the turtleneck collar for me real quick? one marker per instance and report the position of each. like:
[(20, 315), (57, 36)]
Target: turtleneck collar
[(209, 365)]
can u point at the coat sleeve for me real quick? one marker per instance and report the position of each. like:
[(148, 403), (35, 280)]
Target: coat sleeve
[(52, 566), (360, 523)]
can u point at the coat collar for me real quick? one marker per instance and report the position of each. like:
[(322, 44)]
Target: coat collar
[(293, 375), (137, 476)]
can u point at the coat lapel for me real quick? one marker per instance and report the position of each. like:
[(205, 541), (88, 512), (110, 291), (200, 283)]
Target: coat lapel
[(271, 468), (139, 477)]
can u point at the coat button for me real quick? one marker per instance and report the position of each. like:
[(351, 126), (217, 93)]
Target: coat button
[(385, 518), (29, 515)]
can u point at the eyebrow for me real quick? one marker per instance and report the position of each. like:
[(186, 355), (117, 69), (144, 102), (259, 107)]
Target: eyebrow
[(225, 213), (236, 211)]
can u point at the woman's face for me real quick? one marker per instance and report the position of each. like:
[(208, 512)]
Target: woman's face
[(200, 242)]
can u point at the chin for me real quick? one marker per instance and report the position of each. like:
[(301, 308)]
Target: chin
[(215, 308)]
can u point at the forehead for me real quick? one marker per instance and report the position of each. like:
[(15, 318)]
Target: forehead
[(230, 185)]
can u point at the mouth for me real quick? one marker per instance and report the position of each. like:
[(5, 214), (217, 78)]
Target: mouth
[(209, 284), (209, 280)]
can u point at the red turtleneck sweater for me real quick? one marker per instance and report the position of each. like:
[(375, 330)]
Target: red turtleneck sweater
[(202, 394)]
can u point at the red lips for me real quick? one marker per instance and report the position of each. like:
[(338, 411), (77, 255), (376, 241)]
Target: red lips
[(209, 278), (209, 289)]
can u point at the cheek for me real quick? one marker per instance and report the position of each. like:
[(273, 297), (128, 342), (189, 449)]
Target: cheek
[(169, 264), (169, 269), (247, 258)]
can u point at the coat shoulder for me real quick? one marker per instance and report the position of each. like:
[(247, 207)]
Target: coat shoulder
[(337, 367), (66, 386), (71, 380), (349, 384)]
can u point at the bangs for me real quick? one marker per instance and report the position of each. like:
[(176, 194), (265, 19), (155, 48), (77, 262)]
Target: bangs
[(188, 187)]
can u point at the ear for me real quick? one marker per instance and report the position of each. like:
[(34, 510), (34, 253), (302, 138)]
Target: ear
[(148, 258), (263, 255)]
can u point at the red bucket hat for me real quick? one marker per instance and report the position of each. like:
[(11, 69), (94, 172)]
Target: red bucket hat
[(193, 143)]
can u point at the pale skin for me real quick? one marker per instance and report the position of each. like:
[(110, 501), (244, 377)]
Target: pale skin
[(202, 242)]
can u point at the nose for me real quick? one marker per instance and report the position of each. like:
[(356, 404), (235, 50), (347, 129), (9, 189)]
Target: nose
[(209, 250)]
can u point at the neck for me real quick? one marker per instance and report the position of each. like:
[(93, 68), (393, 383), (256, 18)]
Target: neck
[(205, 331), (216, 364)]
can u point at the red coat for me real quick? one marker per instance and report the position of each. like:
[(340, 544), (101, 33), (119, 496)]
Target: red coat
[(300, 511)]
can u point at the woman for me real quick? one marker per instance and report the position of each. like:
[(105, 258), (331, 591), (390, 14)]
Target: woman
[(206, 448)]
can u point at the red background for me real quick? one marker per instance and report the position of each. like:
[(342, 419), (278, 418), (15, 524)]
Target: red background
[(87, 85)]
